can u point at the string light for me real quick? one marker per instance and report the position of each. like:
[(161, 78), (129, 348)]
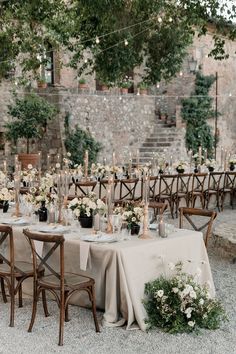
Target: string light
[(126, 42), (157, 85), (181, 73), (230, 94), (159, 19), (170, 19), (85, 60), (97, 40)]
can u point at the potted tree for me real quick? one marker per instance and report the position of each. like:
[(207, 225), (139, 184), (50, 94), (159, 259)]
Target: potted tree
[(143, 88), (82, 83), (30, 116)]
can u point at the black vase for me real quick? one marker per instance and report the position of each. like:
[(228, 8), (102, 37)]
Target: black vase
[(5, 206), (135, 229), (210, 169), (86, 221), (180, 170), (43, 212), (196, 170), (231, 167), (161, 172)]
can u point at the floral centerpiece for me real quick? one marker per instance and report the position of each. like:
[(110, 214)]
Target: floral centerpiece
[(6, 195), (133, 215), (43, 194), (180, 166), (180, 304), (99, 170), (85, 207), (210, 164), (232, 162)]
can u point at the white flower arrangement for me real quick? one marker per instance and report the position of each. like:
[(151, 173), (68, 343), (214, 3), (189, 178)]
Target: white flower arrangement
[(6, 194), (44, 193), (179, 304), (210, 163), (28, 175), (3, 178), (232, 159), (132, 214), (180, 165), (87, 205)]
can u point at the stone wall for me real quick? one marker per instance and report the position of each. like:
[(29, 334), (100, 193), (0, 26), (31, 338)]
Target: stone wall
[(120, 123)]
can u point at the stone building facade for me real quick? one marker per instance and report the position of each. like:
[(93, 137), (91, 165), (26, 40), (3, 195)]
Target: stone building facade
[(123, 122)]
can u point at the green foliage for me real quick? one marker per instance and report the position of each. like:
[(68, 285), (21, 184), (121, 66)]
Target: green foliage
[(195, 111), (179, 304), (30, 116), (77, 141), (129, 31)]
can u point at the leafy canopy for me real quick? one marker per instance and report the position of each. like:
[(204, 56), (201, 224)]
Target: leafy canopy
[(30, 115), (128, 31)]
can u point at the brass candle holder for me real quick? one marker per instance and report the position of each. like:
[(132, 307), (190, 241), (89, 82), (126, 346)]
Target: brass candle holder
[(145, 235)]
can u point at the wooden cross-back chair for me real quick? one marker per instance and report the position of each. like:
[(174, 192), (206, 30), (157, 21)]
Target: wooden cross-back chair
[(213, 188), (58, 282), (189, 213), (82, 188), (197, 190), (229, 187), (12, 272), (153, 187), (182, 190), (127, 189), (167, 189)]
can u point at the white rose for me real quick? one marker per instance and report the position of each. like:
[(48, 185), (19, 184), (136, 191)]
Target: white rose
[(30, 166), (175, 290), (58, 165), (191, 323), (192, 294), (201, 301), (160, 293)]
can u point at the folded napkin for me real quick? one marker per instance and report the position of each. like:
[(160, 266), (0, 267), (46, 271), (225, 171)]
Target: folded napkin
[(100, 237), (84, 255)]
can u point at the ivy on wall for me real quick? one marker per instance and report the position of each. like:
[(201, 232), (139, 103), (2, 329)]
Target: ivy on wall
[(196, 110)]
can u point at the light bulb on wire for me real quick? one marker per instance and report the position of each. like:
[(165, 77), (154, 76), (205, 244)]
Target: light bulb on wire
[(159, 19), (97, 40), (126, 42)]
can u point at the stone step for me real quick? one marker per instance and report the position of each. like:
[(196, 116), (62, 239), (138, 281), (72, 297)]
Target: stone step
[(154, 148)]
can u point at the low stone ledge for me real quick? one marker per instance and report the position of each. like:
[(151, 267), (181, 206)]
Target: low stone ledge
[(224, 240)]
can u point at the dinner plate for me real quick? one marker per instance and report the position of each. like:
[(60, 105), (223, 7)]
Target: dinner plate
[(103, 238), (15, 221), (51, 229)]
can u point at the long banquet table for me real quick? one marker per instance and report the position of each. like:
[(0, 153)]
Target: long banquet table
[(121, 269)]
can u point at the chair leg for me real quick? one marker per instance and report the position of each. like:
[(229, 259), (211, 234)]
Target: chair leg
[(4, 297), (12, 311), (34, 310), (45, 306), (94, 309), (66, 308), (20, 296), (62, 319)]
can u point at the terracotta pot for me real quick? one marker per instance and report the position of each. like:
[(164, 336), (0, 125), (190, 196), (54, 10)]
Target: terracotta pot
[(28, 159), (83, 86), (42, 84), (143, 91), (124, 90), (104, 88), (86, 221)]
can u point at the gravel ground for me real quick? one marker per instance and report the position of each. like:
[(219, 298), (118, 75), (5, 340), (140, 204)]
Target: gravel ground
[(80, 336)]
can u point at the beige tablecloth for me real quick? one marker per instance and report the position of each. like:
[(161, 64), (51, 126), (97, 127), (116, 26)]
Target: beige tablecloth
[(121, 269)]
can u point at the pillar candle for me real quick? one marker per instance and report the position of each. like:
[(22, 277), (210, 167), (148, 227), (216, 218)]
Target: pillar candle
[(86, 164), (171, 161), (5, 167), (161, 228), (48, 162), (205, 155), (104, 161), (137, 157), (222, 157)]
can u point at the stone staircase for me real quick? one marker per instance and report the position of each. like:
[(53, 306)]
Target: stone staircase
[(162, 139)]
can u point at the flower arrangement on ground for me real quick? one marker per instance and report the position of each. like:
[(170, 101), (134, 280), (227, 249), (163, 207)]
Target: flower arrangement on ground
[(126, 82), (179, 304), (87, 206)]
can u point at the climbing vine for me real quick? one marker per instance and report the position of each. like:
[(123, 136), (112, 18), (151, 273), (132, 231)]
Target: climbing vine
[(196, 110)]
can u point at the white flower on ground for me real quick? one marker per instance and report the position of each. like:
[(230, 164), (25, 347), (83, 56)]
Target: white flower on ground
[(201, 301), (160, 293), (189, 315), (175, 290), (192, 294), (191, 323)]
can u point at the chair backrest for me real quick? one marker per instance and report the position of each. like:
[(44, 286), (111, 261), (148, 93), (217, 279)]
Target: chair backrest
[(214, 180), (103, 187), (55, 241), (158, 207), (229, 180), (183, 183), (167, 185), (189, 213), (7, 243), (128, 188), (153, 185), (85, 187), (198, 182)]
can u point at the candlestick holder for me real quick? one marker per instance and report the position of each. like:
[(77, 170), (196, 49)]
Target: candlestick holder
[(17, 200), (145, 235)]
